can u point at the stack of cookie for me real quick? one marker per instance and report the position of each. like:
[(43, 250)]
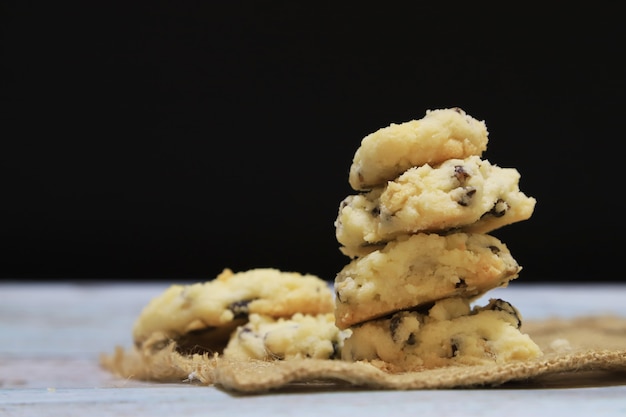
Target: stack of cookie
[(417, 233)]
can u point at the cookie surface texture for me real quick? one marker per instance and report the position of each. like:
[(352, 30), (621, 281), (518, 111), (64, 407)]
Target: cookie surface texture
[(419, 269), (468, 194), (286, 338), (449, 334), (220, 305), (440, 135)]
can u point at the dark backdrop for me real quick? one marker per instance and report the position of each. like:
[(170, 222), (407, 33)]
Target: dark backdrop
[(170, 140)]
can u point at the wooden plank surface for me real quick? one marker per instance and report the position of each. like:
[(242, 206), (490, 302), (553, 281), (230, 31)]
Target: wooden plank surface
[(51, 336)]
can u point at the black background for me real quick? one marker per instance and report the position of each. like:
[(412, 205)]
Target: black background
[(167, 141)]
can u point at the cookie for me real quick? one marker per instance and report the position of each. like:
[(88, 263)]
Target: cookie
[(297, 337), (205, 314), (440, 135), (468, 194), (418, 269), (449, 333)]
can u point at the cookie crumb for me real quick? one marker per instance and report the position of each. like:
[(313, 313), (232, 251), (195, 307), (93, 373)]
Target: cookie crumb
[(560, 345)]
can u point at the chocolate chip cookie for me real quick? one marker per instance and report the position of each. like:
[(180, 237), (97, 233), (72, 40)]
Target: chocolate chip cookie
[(204, 315), (440, 135), (418, 269), (446, 333), (297, 337), (470, 195)]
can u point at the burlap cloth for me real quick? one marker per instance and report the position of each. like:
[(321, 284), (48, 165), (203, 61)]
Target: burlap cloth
[(585, 351)]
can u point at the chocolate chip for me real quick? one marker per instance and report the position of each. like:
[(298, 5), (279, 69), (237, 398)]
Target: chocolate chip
[(494, 249), (461, 284), (454, 346), (461, 174), (466, 197), (394, 323), (244, 329), (240, 309), (501, 305), (499, 209), (411, 340)]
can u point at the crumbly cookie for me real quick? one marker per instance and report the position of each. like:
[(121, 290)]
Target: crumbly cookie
[(418, 269), (297, 337), (440, 135), (450, 333), (467, 194), (205, 314)]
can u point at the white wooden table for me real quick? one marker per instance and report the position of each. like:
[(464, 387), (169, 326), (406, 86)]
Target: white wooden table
[(52, 334)]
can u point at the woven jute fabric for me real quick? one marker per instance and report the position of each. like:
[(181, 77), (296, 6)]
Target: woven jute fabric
[(585, 351)]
